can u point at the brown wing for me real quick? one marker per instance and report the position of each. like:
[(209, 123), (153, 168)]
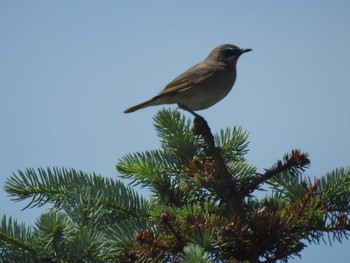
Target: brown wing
[(190, 78)]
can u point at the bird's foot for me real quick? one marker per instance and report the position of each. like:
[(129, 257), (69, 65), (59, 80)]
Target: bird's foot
[(183, 107)]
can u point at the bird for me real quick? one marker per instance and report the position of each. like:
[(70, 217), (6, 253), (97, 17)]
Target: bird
[(203, 85)]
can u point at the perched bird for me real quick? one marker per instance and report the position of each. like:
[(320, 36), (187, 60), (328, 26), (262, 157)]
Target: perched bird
[(203, 85)]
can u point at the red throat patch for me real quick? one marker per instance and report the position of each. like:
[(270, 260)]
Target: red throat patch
[(232, 64)]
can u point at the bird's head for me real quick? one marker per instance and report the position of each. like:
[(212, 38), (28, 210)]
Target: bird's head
[(227, 53)]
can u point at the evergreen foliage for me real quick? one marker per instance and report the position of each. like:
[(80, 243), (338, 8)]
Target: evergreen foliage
[(203, 206)]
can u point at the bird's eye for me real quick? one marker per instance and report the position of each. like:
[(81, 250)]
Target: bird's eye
[(230, 52)]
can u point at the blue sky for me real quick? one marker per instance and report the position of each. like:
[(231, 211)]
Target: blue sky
[(69, 68)]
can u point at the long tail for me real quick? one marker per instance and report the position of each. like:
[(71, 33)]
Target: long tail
[(140, 106)]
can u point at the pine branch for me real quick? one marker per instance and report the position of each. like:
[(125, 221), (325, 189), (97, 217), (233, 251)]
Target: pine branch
[(16, 238), (195, 253), (202, 210), (221, 181), (177, 139), (167, 222), (146, 169), (291, 165), (59, 187), (233, 143), (335, 190), (41, 186), (124, 230), (304, 202), (53, 233)]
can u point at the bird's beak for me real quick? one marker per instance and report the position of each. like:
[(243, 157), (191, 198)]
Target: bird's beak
[(244, 50)]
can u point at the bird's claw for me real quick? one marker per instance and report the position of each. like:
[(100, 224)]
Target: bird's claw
[(183, 107)]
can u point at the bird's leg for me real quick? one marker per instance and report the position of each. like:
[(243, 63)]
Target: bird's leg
[(181, 106)]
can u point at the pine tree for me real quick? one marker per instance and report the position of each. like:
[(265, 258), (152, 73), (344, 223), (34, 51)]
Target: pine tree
[(205, 204)]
